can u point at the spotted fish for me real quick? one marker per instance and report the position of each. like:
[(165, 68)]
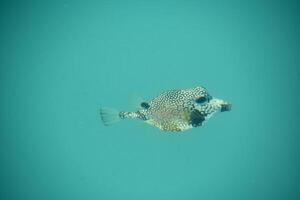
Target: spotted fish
[(173, 110)]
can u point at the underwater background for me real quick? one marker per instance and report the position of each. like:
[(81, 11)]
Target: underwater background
[(63, 60)]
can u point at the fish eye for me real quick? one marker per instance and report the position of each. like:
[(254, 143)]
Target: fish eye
[(201, 100)]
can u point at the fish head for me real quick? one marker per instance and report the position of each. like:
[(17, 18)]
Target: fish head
[(205, 105), (200, 96), (211, 106)]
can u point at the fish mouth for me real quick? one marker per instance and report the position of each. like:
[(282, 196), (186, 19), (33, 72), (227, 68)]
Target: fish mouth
[(214, 105), (226, 107)]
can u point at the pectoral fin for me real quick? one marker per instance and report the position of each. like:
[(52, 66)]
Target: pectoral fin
[(196, 118)]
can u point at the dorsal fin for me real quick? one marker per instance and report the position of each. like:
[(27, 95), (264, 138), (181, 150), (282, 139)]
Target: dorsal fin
[(145, 105)]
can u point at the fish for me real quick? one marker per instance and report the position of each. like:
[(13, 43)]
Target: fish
[(173, 110)]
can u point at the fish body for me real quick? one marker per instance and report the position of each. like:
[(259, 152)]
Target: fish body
[(176, 110)]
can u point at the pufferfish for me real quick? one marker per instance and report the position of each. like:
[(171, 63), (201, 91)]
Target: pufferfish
[(173, 110)]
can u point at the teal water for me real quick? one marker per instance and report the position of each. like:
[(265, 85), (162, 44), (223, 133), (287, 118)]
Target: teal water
[(61, 61)]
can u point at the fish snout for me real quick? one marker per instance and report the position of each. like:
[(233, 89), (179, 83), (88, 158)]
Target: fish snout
[(225, 107)]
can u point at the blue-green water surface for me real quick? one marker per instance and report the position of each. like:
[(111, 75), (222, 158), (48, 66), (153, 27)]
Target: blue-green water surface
[(61, 61)]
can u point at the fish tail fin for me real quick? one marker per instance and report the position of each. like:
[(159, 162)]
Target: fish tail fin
[(109, 116)]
